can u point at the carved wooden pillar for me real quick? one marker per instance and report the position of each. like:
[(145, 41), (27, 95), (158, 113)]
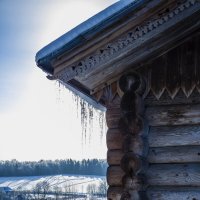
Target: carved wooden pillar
[(134, 130), (126, 137)]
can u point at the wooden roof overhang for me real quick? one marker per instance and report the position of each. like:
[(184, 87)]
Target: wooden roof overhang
[(135, 32)]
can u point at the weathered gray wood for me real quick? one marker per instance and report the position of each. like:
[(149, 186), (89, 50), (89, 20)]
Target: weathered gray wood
[(188, 67), (174, 135), (115, 175), (114, 157), (158, 76), (174, 193), (173, 72), (197, 62), (173, 115), (114, 139), (180, 154), (174, 175), (180, 98), (114, 193)]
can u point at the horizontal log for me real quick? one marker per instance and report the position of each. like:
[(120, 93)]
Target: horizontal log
[(174, 175), (174, 135), (114, 139), (114, 157), (112, 117), (114, 193), (173, 115), (181, 154), (114, 176), (174, 193)]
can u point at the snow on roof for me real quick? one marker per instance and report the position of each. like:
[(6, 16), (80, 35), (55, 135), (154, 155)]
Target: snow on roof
[(54, 47)]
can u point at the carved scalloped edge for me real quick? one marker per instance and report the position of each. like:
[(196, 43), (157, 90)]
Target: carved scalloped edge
[(104, 54)]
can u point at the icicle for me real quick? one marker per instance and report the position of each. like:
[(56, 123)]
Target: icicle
[(86, 113)]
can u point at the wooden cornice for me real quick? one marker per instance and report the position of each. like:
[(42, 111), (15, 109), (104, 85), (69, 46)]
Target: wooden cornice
[(154, 35)]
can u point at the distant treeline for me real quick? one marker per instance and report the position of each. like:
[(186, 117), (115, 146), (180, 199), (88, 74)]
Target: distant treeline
[(49, 167)]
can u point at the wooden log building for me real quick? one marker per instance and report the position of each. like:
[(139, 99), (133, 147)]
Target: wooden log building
[(140, 59)]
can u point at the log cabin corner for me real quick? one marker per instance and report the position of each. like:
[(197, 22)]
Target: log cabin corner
[(140, 60)]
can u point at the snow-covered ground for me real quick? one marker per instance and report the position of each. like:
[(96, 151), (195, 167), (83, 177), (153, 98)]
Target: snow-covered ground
[(73, 183)]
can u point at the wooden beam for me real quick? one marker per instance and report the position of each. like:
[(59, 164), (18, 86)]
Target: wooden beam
[(174, 175), (174, 193), (173, 115), (163, 136), (180, 154)]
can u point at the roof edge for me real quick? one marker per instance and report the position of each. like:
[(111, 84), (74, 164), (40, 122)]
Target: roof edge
[(97, 22)]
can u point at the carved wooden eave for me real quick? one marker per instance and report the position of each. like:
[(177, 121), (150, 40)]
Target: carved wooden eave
[(147, 30)]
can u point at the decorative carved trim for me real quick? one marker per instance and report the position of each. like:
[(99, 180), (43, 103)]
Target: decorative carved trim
[(135, 148), (108, 95), (103, 55), (175, 72)]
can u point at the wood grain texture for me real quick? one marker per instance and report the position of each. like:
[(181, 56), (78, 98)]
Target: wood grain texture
[(174, 193), (173, 72), (115, 175), (173, 115), (114, 139), (112, 117), (197, 62), (174, 136), (180, 154), (114, 157), (158, 76), (174, 175), (188, 67), (114, 193)]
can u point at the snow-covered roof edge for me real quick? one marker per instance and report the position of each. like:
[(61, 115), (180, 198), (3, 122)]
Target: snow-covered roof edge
[(116, 9)]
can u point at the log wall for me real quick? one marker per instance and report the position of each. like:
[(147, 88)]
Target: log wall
[(172, 110), (114, 140), (173, 114)]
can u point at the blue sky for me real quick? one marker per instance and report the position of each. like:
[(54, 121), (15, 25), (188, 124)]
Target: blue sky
[(34, 112)]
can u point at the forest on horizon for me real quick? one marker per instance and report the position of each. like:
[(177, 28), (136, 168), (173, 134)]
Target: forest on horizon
[(48, 167)]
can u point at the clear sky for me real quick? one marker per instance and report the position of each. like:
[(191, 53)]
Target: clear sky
[(38, 119)]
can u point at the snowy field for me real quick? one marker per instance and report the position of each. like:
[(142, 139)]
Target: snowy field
[(73, 183)]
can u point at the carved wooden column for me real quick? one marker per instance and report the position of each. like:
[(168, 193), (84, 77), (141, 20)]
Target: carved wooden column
[(126, 137), (134, 130)]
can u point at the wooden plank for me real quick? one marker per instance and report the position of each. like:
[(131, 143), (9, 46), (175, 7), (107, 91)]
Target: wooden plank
[(114, 139), (174, 193), (173, 80), (174, 175), (158, 76), (180, 154), (114, 157), (115, 175), (174, 136), (173, 115), (180, 98), (197, 62), (114, 193), (188, 67)]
